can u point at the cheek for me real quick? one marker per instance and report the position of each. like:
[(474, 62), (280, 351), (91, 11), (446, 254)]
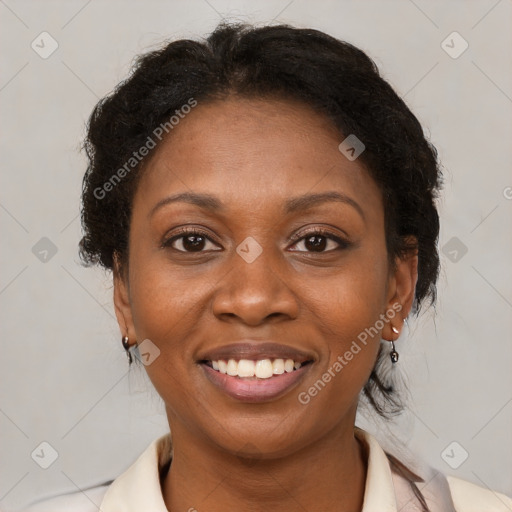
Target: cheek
[(165, 310), (353, 297), (165, 305), (348, 308), (345, 322)]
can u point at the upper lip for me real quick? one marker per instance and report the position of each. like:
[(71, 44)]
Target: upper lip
[(257, 351)]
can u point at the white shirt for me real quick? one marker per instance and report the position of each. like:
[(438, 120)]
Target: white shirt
[(138, 488)]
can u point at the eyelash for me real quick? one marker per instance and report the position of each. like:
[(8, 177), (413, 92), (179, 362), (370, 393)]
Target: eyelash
[(183, 232), (342, 243)]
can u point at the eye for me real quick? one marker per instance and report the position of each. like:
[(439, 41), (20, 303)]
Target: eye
[(317, 240), (189, 240)]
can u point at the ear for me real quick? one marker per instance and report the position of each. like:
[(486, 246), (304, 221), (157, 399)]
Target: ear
[(401, 289), (122, 303)]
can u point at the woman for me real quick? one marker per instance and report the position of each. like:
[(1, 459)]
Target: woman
[(266, 203)]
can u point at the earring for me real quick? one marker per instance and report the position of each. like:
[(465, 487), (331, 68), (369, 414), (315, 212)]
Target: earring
[(126, 345), (394, 354)]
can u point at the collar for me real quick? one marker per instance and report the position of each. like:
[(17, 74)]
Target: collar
[(138, 488)]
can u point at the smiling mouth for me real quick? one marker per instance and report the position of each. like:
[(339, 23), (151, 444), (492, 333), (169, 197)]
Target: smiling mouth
[(249, 369)]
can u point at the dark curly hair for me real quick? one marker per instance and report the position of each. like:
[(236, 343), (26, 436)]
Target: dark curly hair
[(332, 76)]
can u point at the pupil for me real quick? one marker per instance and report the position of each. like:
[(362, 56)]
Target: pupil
[(316, 241), (196, 244)]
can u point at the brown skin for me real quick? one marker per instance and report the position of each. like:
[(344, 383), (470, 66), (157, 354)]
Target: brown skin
[(253, 155)]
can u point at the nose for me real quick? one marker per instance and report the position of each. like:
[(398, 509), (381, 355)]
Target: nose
[(255, 293)]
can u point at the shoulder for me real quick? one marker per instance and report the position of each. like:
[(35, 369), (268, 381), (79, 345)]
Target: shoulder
[(88, 500), (441, 492), (469, 497), (138, 485)]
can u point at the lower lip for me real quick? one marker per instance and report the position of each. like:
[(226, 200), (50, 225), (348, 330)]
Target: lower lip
[(254, 389)]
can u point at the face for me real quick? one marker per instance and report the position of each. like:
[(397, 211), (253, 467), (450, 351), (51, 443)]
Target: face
[(278, 252)]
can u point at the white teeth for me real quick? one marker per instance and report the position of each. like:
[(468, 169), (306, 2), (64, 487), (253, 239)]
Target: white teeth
[(262, 369), (288, 365), (278, 366), (223, 366), (246, 368), (232, 368)]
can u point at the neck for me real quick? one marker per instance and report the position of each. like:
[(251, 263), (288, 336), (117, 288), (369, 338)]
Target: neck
[(327, 475)]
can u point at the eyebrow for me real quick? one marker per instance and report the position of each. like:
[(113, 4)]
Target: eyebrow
[(304, 202), (310, 200)]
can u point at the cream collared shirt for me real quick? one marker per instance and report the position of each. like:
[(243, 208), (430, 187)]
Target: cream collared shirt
[(138, 488)]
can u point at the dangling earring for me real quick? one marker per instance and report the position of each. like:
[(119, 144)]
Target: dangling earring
[(126, 345), (394, 354)]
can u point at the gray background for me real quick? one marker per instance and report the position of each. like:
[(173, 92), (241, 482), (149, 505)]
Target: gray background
[(63, 373)]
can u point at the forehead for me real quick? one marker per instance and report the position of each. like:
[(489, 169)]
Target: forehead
[(256, 152)]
